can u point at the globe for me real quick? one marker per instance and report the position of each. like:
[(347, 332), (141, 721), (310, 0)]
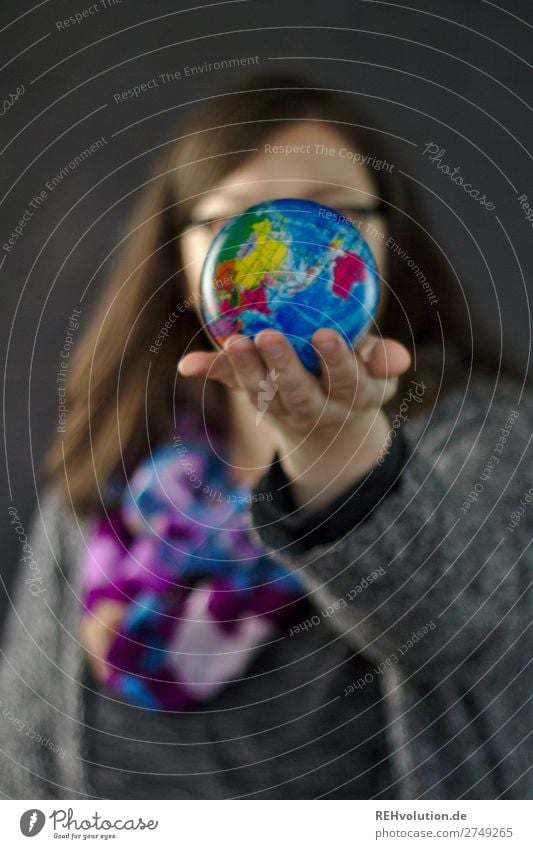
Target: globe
[(291, 265)]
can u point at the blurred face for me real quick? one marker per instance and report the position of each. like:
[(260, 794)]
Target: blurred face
[(305, 160)]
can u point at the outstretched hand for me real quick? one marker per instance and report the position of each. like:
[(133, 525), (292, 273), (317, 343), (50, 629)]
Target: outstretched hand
[(350, 380), (329, 429)]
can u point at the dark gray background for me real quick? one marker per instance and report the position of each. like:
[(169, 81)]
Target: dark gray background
[(452, 72)]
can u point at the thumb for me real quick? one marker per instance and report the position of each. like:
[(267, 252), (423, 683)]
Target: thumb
[(384, 358)]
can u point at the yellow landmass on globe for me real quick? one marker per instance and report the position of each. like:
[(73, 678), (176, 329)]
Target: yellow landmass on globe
[(267, 255)]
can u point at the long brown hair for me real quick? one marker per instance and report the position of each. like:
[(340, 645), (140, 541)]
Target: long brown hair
[(122, 397)]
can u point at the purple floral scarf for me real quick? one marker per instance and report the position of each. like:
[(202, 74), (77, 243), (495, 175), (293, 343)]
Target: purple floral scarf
[(199, 598)]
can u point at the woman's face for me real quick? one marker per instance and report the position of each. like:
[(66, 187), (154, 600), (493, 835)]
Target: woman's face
[(307, 160)]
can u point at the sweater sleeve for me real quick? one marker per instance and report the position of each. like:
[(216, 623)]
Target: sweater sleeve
[(34, 682), (299, 529), (438, 571)]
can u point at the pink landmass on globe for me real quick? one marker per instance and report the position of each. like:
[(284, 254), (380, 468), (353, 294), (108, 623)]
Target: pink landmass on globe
[(256, 299), (348, 269), (249, 299), (226, 306)]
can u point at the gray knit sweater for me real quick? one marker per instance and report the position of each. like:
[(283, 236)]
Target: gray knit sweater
[(443, 624)]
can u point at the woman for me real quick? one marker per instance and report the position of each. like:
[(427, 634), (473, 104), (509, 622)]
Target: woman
[(338, 611)]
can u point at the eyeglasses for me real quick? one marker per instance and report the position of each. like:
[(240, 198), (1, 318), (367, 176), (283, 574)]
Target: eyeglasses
[(353, 214), (213, 224)]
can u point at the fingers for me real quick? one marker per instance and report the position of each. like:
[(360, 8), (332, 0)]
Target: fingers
[(298, 391), (214, 365), (365, 377), (343, 375), (268, 365), (250, 370), (386, 358)]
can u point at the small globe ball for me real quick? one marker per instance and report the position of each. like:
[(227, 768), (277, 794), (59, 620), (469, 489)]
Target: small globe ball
[(291, 265)]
